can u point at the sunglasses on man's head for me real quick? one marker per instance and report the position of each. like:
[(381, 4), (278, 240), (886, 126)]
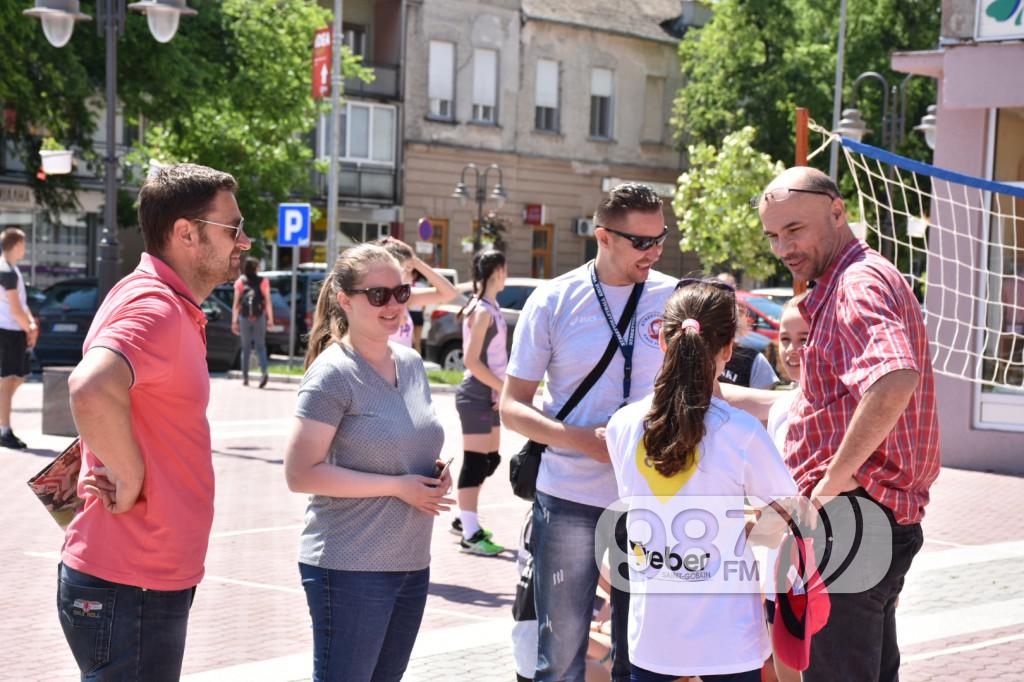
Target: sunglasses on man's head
[(717, 283), (783, 193), (640, 243), (379, 296)]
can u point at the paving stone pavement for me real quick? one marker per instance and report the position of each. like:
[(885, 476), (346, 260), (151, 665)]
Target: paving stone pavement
[(961, 616)]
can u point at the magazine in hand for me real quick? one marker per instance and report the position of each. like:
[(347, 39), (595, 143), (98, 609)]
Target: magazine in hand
[(56, 485)]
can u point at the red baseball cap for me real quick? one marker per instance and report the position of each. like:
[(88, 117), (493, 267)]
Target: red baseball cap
[(803, 609)]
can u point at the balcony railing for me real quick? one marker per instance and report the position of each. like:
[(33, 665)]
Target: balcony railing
[(384, 86), (368, 183)]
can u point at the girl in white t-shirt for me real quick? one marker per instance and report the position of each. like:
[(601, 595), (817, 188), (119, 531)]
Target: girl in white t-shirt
[(793, 333), (685, 462)]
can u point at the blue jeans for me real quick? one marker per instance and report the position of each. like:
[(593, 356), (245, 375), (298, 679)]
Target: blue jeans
[(122, 632), (641, 675), (364, 622), (565, 583), (253, 332)]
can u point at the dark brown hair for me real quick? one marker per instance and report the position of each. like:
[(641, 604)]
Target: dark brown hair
[(682, 392), (252, 268), (624, 199), (330, 323), (183, 190), (484, 264), (399, 250), (10, 238)]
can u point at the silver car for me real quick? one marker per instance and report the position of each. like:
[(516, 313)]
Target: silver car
[(443, 343)]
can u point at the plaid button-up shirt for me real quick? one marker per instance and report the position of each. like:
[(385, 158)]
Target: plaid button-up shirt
[(865, 323)]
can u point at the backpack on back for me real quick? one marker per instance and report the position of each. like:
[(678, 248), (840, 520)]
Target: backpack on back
[(252, 303)]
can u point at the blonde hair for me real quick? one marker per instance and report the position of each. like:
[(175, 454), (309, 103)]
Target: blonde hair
[(330, 323)]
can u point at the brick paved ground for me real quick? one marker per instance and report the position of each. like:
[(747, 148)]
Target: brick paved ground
[(961, 616)]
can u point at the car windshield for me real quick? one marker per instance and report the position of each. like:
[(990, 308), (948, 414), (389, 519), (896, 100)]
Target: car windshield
[(766, 307), (514, 297), (70, 298)]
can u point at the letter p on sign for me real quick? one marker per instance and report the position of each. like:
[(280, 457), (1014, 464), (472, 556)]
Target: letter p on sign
[(293, 225)]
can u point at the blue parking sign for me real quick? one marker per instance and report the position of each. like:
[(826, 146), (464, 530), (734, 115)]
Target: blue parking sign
[(293, 225)]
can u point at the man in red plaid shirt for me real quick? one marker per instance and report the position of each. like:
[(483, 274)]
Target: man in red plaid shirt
[(865, 424)]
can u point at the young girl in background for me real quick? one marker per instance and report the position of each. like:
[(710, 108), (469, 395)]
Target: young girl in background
[(793, 332), (440, 289), (681, 442), (485, 354), (364, 444)]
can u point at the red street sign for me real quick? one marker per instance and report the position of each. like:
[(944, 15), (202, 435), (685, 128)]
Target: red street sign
[(534, 214), (322, 62)]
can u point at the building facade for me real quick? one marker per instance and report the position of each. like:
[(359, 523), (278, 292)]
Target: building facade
[(980, 132)]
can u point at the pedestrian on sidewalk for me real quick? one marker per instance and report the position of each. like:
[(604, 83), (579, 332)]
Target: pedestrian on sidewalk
[(364, 444), (134, 554), (864, 426), (485, 353), (18, 332), (687, 452), (251, 314), (440, 289), (563, 331)]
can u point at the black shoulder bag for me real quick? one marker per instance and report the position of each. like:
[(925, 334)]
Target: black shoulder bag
[(525, 464)]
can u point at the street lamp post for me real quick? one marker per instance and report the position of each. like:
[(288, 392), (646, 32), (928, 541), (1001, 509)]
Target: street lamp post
[(462, 194), (58, 18), (894, 112)]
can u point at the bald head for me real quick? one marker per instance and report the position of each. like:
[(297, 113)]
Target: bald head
[(804, 177)]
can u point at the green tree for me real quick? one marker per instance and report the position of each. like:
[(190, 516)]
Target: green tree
[(757, 60), (711, 205), (232, 91)]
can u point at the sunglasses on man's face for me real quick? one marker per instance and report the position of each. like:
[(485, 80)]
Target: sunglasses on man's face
[(717, 283), (379, 296), (640, 243), (238, 229)]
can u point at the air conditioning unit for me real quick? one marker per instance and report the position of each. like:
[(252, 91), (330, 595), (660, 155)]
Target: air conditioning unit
[(583, 227)]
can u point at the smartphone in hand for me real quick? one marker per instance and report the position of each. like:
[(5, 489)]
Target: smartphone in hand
[(442, 470)]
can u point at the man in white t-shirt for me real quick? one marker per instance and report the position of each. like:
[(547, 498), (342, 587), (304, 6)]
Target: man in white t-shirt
[(562, 333), (18, 331)]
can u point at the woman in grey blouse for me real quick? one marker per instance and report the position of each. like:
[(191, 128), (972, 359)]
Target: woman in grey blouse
[(364, 445)]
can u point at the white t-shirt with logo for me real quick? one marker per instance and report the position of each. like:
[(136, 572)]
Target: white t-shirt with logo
[(563, 333), (10, 280), (404, 333), (700, 633)]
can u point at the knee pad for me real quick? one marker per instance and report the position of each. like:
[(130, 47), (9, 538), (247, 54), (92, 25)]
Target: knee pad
[(474, 469), (493, 460)]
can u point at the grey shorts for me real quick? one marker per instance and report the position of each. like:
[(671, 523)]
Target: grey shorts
[(475, 407)]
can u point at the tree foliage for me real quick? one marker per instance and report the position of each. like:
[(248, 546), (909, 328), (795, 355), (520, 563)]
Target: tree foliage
[(757, 60), (711, 205), (231, 90)]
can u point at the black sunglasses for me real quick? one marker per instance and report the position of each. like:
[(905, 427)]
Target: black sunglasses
[(640, 243), (717, 283), (379, 296)]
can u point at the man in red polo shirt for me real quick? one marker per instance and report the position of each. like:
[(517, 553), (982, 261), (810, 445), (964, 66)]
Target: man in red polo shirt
[(134, 554), (865, 424)]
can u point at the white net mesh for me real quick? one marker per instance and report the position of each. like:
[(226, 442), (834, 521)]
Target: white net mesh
[(959, 242)]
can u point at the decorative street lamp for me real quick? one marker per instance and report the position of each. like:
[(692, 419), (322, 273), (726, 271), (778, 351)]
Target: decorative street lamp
[(58, 18), (894, 112), (462, 194)]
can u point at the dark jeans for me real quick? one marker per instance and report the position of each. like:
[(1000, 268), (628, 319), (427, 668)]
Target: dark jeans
[(253, 333), (364, 622), (641, 675), (565, 582), (122, 632), (859, 642)]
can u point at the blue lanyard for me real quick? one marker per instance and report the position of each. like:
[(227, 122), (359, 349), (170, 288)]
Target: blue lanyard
[(625, 344)]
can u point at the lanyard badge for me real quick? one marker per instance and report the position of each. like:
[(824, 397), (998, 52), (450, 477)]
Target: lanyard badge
[(625, 343)]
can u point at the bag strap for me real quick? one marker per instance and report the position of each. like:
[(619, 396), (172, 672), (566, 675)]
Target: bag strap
[(609, 353)]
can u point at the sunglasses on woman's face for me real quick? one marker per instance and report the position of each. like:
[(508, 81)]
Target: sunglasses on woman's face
[(379, 296)]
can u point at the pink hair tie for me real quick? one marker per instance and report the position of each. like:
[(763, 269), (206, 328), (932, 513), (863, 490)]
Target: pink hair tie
[(690, 323)]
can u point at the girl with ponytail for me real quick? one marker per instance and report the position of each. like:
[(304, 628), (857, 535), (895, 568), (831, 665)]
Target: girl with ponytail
[(683, 448), (364, 444), (485, 353)]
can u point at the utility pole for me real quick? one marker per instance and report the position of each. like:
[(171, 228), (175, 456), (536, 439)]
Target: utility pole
[(332, 179), (837, 96)]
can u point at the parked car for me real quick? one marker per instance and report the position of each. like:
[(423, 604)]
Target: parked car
[(307, 289), (277, 335), (778, 294), (35, 297), (67, 311), (763, 313), (443, 343)]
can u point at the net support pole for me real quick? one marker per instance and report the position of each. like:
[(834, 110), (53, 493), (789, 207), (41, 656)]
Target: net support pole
[(802, 132)]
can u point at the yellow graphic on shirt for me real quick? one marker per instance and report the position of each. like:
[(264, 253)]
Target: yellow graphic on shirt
[(663, 487)]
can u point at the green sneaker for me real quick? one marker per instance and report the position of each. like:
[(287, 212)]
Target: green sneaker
[(456, 529), (480, 544)]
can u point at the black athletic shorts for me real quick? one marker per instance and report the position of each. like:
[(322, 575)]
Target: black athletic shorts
[(417, 317), (14, 356)]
